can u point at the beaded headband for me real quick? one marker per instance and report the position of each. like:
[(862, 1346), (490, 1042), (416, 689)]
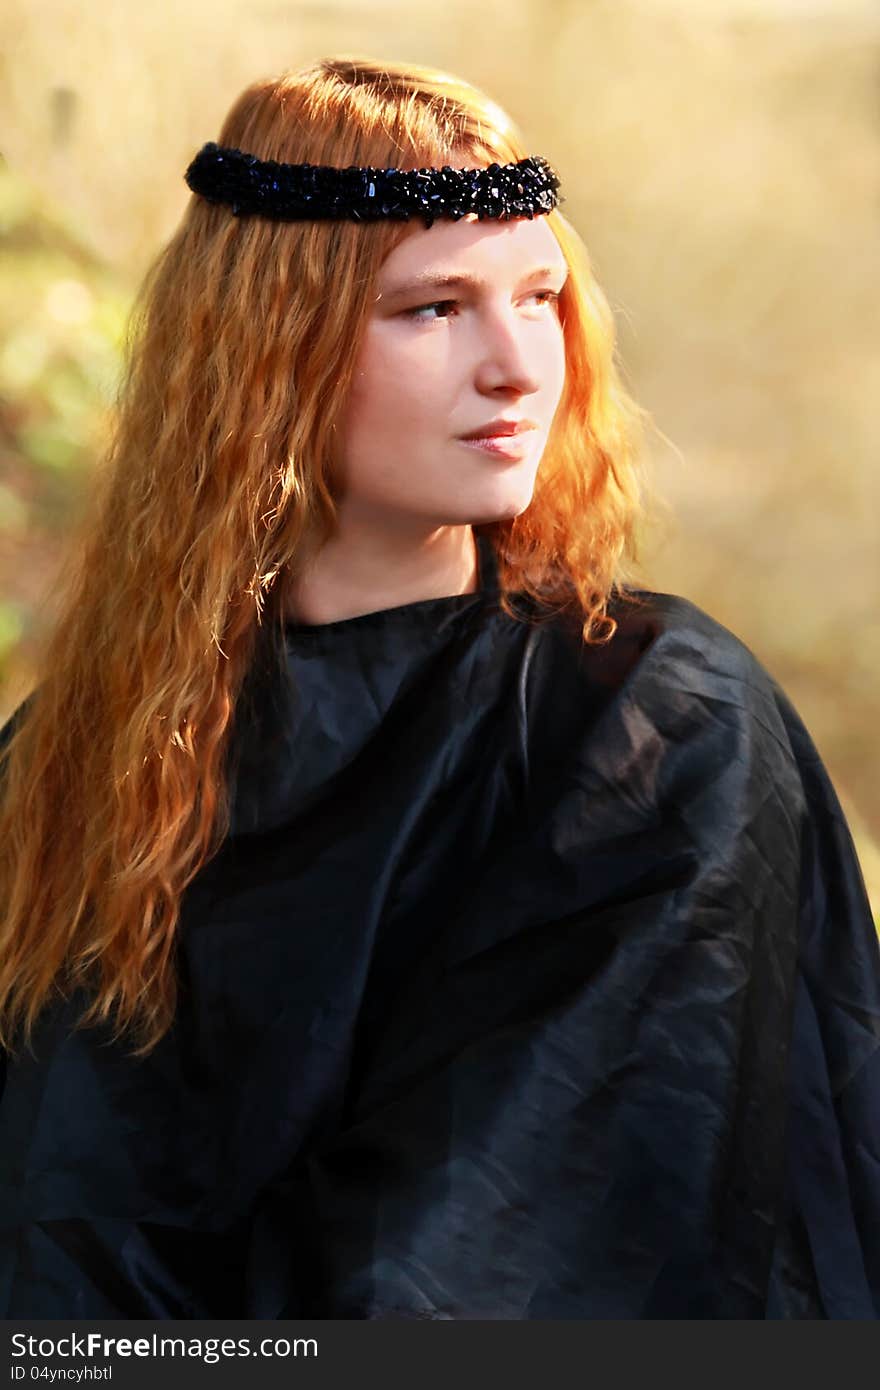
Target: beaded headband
[(296, 192)]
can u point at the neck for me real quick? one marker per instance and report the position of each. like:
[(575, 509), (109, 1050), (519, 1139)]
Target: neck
[(363, 569)]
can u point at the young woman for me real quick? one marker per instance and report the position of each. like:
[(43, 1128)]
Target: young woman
[(403, 913)]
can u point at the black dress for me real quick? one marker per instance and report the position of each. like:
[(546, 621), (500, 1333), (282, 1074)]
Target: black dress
[(533, 981)]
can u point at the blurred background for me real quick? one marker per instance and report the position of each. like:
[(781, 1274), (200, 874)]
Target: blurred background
[(721, 160)]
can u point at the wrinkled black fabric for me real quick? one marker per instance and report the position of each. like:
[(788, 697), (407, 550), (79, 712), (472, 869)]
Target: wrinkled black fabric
[(532, 981)]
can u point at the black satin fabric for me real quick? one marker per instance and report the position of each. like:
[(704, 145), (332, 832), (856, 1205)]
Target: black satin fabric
[(533, 981)]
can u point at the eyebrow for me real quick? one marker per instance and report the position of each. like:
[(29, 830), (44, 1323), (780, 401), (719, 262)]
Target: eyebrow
[(430, 280)]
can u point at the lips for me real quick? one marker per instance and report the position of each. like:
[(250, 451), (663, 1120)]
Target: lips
[(500, 429), (510, 446)]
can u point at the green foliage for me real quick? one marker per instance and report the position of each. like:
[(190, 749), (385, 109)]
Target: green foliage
[(62, 320), (62, 316)]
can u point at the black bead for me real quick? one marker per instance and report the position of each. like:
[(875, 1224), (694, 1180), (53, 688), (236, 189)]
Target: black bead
[(292, 191)]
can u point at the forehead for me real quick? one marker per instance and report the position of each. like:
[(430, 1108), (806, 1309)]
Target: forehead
[(513, 246)]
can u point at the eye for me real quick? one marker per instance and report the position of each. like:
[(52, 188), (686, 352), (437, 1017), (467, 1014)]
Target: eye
[(421, 308), (549, 297)]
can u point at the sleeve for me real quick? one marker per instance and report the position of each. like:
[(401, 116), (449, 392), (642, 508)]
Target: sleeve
[(830, 1223)]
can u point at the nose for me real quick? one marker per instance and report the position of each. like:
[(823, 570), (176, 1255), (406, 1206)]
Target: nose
[(509, 353)]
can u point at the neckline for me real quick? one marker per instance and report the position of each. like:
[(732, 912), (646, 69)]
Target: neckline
[(487, 588)]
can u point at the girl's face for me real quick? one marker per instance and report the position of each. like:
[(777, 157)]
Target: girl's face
[(443, 356)]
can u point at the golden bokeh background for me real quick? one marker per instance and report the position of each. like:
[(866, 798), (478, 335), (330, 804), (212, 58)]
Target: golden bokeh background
[(720, 159)]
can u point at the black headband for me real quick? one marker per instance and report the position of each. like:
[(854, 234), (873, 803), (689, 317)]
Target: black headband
[(296, 192)]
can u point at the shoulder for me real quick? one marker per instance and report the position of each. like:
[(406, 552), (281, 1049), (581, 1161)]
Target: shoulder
[(677, 628), (675, 677), (684, 651)]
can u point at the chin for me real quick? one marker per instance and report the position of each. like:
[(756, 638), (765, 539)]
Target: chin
[(481, 513), (506, 505), (508, 513)]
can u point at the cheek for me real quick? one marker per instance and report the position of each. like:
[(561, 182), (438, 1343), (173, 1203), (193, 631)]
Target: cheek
[(390, 419), (395, 391), (385, 386), (554, 360)]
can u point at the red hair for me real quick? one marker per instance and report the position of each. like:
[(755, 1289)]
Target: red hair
[(215, 482)]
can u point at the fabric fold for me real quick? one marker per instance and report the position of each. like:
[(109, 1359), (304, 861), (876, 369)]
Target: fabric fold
[(533, 981)]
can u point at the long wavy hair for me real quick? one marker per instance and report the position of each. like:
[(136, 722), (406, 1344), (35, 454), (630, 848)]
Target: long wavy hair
[(217, 480)]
